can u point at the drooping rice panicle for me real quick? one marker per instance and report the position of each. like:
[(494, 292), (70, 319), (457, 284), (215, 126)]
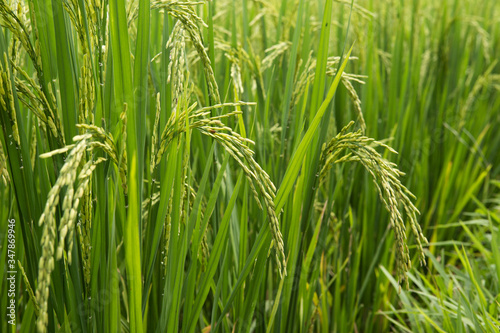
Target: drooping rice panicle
[(355, 147), (72, 201), (190, 21), (7, 101), (4, 173), (47, 220), (237, 147), (12, 22)]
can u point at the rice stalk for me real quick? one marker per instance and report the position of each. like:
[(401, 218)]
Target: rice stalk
[(11, 21), (482, 81), (84, 232), (355, 101), (273, 53), (149, 203), (304, 79), (92, 8), (4, 172), (28, 287), (33, 149), (237, 147), (87, 92), (122, 153), (7, 101), (166, 234), (185, 161), (239, 59), (72, 202), (355, 147), (16, 52), (362, 11), (95, 138), (67, 177), (176, 43), (103, 140), (154, 135), (37, 101), (236, 76), (171, 130), (186, 15), (483, 36)]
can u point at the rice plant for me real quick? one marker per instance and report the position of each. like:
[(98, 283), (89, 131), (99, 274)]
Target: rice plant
[(172, 166)]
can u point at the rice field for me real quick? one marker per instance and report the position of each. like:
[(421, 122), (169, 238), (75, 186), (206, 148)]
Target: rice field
[(249, 166)]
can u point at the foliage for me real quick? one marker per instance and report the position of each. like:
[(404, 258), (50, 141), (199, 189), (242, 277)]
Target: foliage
[(148, 197)]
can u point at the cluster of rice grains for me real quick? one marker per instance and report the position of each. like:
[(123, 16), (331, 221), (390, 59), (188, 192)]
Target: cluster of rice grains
[(41, 100), (72, 202), (7, 101), (4, 173), (234, 144), (237, 147), (355, 147), (66, 180)]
